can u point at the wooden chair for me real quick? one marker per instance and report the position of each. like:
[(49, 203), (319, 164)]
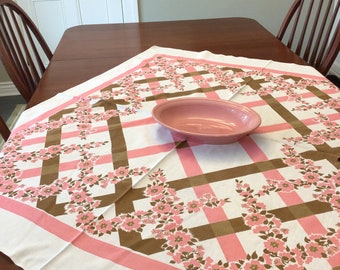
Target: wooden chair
[(311, 30), (23, 49), (4, 130)]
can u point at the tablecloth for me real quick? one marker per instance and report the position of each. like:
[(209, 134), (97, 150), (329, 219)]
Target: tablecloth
[(89, 180)]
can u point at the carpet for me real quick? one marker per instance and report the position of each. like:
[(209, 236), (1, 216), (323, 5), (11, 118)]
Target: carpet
[(13, 118)]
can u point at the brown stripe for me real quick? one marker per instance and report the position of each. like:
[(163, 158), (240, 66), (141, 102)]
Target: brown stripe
[(50, 170), (323, 150), (301, 210), (225, 174), (237, 225)]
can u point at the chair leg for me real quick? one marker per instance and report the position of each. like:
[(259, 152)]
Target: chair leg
[(4, 130)]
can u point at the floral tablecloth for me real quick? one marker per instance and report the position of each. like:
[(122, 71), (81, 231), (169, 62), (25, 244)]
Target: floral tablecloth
[(89, 180)]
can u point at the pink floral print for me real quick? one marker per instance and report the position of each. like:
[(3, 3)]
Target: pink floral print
[(166, 209)]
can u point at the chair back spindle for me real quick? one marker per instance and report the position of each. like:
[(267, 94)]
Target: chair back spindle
[(4, 130), (311, 30), (23, 49)]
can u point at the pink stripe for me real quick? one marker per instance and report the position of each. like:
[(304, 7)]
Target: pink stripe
[(192, 168), (289, 73), (204, 84), (312, 225), (263, 68), (252, 149), (141, 122), (255, 103), (272, 128), (291, 198), (334, 261), (31, 173), (231, 247), (104, 159), (151, 150), (116, 254), (212, 95), (155, 84), (189, 162), (309, 224), (284, 126)]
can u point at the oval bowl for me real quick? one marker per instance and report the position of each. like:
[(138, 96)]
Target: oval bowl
[(205, 120)]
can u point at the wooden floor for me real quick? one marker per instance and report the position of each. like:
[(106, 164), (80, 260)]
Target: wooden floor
[(334, 79), (8, 104)]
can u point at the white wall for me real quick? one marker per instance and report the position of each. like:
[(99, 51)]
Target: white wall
[(269, 13)]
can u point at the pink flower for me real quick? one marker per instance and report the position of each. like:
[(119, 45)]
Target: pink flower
[(274, 245), (91, 179), (315, 140), (254, 265), (23, 157), (292, 161), (49, 190), (78, 197), (194, 206), (8, 187), (261, 228), (84, 126), (179, 239), (336, 178), (254, 219), (85, 164), (174, 223), (330, 124), (121, 172), (104, 226), (177, 257), (192, 264), (7, 171), (129, 224), (311, 177), (111, 113), (8, 149), (55, 124), (335, 200), (162, 208), (286, 186), (214, 267), (54, 149), (314, 250), (154, 190), (84, 218)]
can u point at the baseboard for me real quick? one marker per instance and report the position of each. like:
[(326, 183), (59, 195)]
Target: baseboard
[(8, 89)]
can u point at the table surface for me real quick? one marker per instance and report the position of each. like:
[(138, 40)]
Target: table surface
[(94, 174), (88, 50)]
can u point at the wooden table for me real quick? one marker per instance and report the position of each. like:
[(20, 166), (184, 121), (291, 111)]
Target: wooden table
[(88, 50), (89, 180)]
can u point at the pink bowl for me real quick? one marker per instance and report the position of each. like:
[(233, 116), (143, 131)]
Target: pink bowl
[(204, 120)]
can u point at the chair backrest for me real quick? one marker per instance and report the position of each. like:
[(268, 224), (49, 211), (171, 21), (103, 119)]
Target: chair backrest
[(4, 130), (23, 49), (311, 30)]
